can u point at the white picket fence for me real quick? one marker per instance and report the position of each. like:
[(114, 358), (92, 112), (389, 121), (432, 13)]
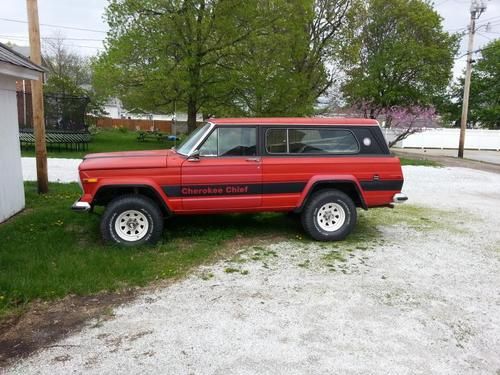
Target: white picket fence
[(475, 139)]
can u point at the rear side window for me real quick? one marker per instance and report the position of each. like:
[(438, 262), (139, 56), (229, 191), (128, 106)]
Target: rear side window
[(311, 141), (276, 141)]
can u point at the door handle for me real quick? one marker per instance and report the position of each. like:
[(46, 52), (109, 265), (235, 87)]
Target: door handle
[(256, 159)]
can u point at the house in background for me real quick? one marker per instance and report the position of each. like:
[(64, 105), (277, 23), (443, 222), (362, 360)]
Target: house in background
[(14, 67), (115, 110)]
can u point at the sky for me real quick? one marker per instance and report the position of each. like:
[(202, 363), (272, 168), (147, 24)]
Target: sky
[(81, 23)]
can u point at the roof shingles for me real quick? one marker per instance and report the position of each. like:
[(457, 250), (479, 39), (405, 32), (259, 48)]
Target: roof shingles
[(8, 55)]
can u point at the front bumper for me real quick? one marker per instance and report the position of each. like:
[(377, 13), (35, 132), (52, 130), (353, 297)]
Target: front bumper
[(399, 198), (81, 206)]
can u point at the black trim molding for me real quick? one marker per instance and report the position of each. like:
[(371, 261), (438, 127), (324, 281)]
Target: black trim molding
[(382, 185)]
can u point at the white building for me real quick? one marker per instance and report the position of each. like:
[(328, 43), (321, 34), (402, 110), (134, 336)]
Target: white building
[(13, 67), (114, 109)]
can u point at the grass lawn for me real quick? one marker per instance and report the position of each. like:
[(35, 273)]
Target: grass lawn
[(107, 140), (48, 251)]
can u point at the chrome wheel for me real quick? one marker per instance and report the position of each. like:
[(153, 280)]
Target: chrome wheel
[(330, 217), (131, 225)]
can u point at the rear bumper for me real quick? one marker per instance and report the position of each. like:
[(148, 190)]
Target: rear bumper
[(81, 206), (399, 198)]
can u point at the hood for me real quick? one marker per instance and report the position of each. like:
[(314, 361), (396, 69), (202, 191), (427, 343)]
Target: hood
[(126, 160)]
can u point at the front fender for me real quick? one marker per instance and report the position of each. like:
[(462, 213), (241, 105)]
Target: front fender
[(91, 193)]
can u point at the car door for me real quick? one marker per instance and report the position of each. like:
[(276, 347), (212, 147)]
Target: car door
[(226, 175)]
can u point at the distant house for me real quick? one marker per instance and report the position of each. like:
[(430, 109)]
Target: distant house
[(14, 67), (115, 109)]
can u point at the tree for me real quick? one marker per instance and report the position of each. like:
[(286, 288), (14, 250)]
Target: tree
[(162, 53), (69, 74), (484, 101), (409, 120), (222, 56), (404, 60), (486, 79), (283, 69)]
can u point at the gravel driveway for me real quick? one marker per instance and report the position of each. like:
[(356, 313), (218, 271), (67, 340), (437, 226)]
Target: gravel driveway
[(414, 301)]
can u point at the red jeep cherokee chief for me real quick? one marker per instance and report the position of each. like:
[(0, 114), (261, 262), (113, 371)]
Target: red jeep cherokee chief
[(322, 168)]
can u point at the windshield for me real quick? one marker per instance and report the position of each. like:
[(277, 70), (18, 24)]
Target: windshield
[(192, 139)]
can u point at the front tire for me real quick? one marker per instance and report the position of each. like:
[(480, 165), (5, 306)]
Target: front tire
[(132, 220), (329, 215)]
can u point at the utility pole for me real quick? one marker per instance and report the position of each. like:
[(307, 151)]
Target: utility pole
[(37, 99), (477, 8)]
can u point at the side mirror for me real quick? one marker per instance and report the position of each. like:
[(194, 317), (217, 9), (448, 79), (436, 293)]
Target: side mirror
[(195, 156)]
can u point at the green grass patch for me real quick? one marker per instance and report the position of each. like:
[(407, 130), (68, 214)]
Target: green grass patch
[(420, 162), (107, 140), (48, 251)]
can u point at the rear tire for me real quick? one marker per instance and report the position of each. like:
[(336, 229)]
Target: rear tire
[(329, 215), (132, 220)]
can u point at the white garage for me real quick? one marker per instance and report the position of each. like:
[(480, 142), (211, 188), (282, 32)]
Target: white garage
[(13, 67)]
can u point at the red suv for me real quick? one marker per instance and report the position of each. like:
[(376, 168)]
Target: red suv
[(320, 168)]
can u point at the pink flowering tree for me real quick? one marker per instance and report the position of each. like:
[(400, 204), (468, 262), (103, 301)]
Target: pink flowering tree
[(405, 121), (402, 120)]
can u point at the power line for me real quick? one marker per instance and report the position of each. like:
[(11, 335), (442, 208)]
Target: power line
[(496, 21), (56, 26), (476, 51), (51, 37), (486, 36), (21, 39)]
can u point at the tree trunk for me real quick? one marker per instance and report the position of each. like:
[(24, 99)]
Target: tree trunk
[(191, 120)]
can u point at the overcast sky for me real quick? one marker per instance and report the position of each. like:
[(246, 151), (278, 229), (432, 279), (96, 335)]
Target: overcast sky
[(88, 14)]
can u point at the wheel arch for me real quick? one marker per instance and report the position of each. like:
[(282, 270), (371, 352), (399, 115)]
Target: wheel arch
[(106, 193), (348, 186)]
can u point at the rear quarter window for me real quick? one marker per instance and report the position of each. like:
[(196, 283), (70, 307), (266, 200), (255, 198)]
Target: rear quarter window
[(322, 141), (371, 140), (311, 141)]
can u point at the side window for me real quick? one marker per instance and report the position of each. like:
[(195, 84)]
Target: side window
[(231, 141), (209, 147), (322, 141), (276, 141)]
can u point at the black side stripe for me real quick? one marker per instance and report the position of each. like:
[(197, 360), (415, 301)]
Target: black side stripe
[(268, 188), (283, 187), (382, 185), (233, 189)]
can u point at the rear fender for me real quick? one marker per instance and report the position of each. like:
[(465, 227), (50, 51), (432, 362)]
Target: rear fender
[(317, 182)]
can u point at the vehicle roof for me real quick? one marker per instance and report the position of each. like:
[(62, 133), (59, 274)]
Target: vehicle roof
[(295, 121)]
